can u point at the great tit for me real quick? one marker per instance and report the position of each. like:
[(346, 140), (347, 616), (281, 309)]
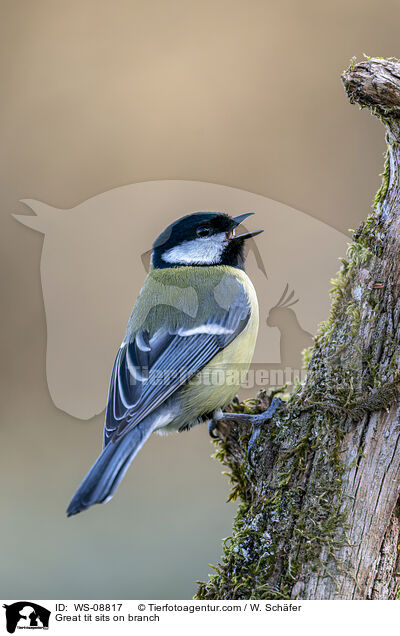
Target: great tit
[(189, 341)]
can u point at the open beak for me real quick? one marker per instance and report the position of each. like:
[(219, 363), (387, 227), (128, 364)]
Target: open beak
[(238, 220)]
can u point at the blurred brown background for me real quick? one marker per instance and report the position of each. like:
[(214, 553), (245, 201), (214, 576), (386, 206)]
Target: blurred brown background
[(95, 95)]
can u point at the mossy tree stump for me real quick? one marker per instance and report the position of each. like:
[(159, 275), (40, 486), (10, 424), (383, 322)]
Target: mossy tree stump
[(320, 511)]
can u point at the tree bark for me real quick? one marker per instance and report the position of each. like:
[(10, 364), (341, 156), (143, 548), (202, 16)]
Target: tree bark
[(320, 511)]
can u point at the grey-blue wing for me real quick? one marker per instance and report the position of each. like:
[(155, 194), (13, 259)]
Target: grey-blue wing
[(148, 370)]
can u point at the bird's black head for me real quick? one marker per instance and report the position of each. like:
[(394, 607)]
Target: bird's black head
[(201, 239)]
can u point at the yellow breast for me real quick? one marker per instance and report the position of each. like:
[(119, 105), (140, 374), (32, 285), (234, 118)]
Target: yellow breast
[(216, 385)]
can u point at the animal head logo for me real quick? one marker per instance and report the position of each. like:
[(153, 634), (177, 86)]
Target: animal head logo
[(278, 311), (95, 257), (293, 338), (26, 615)]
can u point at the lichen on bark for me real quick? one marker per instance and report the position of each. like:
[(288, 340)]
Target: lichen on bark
[(319, 512)]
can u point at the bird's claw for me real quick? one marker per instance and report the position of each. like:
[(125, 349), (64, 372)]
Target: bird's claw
[(261, 419), (212, 428), (257, 421), (252, 443)]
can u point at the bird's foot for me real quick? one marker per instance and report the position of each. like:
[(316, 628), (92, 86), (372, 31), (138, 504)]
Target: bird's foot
[(257, 421), (213, 428)]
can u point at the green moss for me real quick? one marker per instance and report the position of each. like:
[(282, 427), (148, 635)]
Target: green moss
[(381, 194), (359, 253), (307, 353), (255, 548), (353, 311)]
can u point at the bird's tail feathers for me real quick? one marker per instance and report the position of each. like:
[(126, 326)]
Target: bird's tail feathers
[(106, 473)]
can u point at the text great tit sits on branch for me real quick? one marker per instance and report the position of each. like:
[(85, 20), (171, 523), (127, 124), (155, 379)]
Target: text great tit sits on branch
[(194, 323)]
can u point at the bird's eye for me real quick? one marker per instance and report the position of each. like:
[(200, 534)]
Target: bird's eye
[(203, 231)]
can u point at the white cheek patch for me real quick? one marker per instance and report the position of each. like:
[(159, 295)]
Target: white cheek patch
[(203, 250)]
